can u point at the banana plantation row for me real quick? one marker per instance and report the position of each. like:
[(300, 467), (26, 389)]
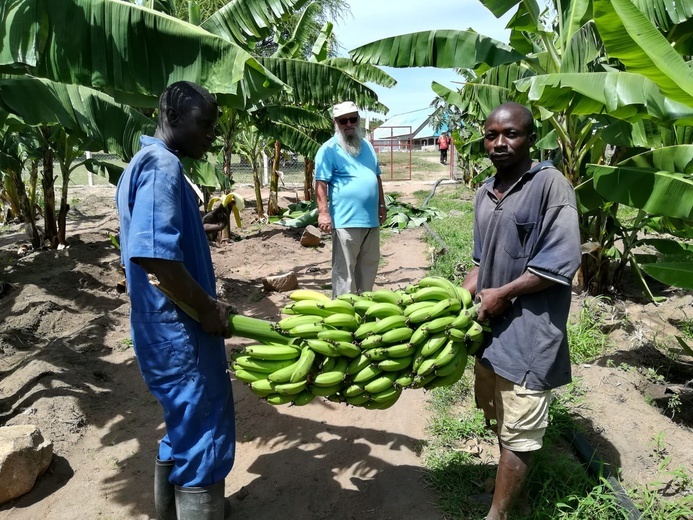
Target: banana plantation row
[(609, 81)]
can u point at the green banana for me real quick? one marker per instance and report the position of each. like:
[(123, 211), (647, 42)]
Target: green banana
[(374, 405), (291, 388), (475, 332), (383, 310), (365, 330), (474, 346), (456, 334), (303, 365), (464, 296), (303, 398), (464, 319), (390, 322), (358, 400), (395, 365), (350, 297), (447, 354), (411, 288), (309, 307), (272, 352), (342, 321), (307, 294), (371, 341), (416, 306), (283, 375), (328, 364), (430, 293), (439, 281), (260, 365), (261, 392), (427, 367), (420, 335), (421, 381), (387, 395), (366, 374), (323, 347), (353, 390), (405, 380), (398, 351), (327, 379), (418, 358), (452, 367), (445, 307), (357, 364), (405, 300), (337, 307), (279, 398), (262, 385), (433, 344), (363, 305), (376, 354), (380, 383), (289, 323), (249, 376), (367, 294), (336, 335), (420, 315), (399, 335), (324, 391), (385, 295), (309, 330), (438, 324), (347, 349)]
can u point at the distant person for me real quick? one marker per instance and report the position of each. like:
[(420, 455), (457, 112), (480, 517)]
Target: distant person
[(526, 252), (443, 145), (351, 203), (183, 362)]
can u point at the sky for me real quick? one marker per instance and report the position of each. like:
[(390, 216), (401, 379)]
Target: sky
[(371, 20)]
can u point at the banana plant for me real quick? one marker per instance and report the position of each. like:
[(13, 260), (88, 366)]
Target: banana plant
[(72, 119), (598, 61)]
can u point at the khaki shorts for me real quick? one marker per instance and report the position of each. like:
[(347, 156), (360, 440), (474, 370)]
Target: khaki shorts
[(521, 414)]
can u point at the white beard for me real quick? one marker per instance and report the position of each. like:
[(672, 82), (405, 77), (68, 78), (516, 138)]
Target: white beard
[(351, 144)]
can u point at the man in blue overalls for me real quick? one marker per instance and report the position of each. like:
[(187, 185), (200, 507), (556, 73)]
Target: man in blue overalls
[(183, 362)]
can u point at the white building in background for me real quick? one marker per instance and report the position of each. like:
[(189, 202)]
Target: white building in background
[(409, 129)]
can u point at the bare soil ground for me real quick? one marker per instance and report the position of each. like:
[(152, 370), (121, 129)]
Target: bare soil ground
[(66, 366)]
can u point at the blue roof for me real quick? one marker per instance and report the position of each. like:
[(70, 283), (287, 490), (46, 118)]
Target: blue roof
[(416, 123)]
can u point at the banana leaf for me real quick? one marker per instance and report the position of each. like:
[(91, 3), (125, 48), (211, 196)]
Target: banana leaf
[(622, 95), (668, 247), (307, 219), (109, 126), (500, 7), (363, 72), (438, 48), (657, 192), (669, 158), (128, 51), (678, 274), (665, 13), (247, 22), (631, 38)]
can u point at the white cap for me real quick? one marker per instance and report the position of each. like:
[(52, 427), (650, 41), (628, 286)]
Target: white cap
[(348, 107)]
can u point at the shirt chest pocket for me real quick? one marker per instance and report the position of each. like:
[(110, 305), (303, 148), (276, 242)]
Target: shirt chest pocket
[(520, 236)]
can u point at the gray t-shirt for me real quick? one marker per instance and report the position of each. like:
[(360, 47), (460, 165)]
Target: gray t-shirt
[(533, 228)]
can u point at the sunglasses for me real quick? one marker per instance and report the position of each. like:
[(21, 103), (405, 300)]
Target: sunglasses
[(344, 120)]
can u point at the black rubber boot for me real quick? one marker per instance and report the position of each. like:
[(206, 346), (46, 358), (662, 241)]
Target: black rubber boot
[(164, 494), (201, 503)]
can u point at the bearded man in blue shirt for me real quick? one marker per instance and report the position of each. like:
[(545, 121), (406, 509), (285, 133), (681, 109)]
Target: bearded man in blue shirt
[(526, 252), (351, 203)]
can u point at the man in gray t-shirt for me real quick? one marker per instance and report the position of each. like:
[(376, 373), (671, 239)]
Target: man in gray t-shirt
[(526, 252)]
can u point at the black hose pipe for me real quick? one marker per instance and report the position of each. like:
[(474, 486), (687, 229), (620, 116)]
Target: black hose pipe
[(599, 468)]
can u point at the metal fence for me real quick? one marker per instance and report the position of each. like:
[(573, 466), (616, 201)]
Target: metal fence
[(393, 146)]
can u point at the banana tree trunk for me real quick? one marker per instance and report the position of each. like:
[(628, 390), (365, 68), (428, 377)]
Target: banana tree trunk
[(48, 184), (308, 171), (273, 201), (64, 206), (257, 181), (26, 209)]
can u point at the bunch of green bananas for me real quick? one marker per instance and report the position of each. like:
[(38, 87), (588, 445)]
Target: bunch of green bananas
[(364, 349)]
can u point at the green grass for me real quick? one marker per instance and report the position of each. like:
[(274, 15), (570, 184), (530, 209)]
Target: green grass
[(455, 228), (585, 337)]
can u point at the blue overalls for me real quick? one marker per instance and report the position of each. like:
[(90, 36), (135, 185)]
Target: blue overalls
[(184, 367)]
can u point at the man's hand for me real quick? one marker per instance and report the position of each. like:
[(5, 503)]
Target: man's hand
[(382, 214), (216, 320), (325, 222), (493, 303)]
